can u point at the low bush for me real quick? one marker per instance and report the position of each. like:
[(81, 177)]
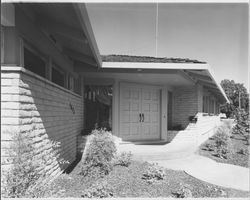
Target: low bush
[(243, 151), (26, 176), (242, 124), (183, 192), (154, 173), (99, 152), (98, 190), (124, 159), (209, 147), (222, 142)]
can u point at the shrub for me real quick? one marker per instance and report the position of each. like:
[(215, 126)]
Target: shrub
[(222, 142), (98, 190), (242, 124), (183, 192), (99, 153), (26, 177), (209, 147), (124, 159), (243, 151), (153, 173)]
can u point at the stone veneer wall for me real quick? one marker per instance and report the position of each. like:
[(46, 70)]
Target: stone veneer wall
[(185, 104), (35, 105)]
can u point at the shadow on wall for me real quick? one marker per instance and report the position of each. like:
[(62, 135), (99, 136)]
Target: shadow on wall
[(51, 113)]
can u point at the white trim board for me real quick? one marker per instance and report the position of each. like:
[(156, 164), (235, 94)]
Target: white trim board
[(146, 65)]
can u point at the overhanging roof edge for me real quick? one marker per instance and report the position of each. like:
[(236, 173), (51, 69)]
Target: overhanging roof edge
[(180, 66), (83, 16), (211, 73)]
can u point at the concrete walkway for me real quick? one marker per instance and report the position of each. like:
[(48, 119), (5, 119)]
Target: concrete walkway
[(210, 171), (181, 156)]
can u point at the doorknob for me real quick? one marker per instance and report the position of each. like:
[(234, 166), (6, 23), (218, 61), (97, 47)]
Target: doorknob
[(142, 117)]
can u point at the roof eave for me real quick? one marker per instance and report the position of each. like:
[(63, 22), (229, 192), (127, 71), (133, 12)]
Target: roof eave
[(180, 66), (211, 74), (83, 17)]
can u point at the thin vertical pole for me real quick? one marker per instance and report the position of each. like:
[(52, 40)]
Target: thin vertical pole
[(156, 31)]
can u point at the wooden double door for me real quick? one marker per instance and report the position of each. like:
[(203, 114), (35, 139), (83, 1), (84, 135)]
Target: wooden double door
[(139, 112)]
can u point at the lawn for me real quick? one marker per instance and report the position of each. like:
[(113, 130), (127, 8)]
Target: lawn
[(128, 182), (234, 157)]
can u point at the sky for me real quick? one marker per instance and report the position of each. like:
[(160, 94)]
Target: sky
[(214, 33)]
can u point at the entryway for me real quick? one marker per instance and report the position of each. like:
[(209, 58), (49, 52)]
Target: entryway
[(97, 107), (139, 112)]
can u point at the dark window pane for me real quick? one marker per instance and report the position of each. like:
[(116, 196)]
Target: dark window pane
[(77, 84), (2, 44), (57, 77), (34, 63)]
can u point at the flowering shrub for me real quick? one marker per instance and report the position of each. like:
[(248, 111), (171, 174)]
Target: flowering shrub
[(222, 142), (26, 174), (99, 153), (243, 151), (124, 159), (242, 124), (154, 173), (209, 147), (98, 190), (183, 192)]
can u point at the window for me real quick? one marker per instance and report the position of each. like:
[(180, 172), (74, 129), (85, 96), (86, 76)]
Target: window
[(34, 62), (2, 44), (77, 85), (74, 84), (71, 82), (204, 105), (58, 76)]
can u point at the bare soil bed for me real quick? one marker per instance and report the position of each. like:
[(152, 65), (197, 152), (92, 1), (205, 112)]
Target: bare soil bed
[(128, 182)]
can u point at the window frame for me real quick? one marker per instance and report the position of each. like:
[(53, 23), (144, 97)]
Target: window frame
[(49, 65)]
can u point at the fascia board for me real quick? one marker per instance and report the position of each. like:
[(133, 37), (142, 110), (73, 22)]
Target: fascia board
[(142, 65)]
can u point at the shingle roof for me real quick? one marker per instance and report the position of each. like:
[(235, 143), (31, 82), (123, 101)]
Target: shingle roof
[(148, 59)]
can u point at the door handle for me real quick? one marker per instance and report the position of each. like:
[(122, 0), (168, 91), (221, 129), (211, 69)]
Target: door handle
[(142, 117)]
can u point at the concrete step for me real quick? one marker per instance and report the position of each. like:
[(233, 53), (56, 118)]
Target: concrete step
[(146, 142)]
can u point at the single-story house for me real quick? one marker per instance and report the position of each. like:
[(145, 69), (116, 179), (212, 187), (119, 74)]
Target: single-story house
[(55, 85)]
